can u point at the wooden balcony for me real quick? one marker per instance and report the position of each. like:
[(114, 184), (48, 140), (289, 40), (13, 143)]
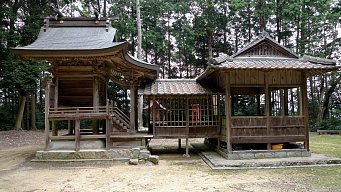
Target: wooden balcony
[(69, 113)]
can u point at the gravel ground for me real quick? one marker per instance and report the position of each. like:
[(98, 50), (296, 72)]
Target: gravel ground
[(174, 172)]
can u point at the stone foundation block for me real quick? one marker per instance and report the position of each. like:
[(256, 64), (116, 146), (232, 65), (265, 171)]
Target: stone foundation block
[(133, 161), (154, 159), (144, 154)]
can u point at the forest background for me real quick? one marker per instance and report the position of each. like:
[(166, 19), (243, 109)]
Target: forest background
[(178, 35)]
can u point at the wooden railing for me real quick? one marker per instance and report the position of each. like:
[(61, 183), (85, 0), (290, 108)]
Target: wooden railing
[(82, 112), (263, 130), (118, 113)]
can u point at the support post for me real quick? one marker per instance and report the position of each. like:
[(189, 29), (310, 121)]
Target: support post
[(77, 135), (54, 127), (286, 111), (70, 127), (305, 110), (228, 110), (179, 144), (187, 127), (267, 109), (219, 120), (47, 109), (95, 103), (154, 115), (107, 133), (133, 107), (258, 104), (281, 92), (140, 111), (56, 94)]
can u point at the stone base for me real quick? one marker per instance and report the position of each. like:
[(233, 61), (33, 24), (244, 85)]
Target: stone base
[(139, 155), (71, 145), (265, 154)]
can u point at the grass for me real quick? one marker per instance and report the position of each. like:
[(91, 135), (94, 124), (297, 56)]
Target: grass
[(326, 144)]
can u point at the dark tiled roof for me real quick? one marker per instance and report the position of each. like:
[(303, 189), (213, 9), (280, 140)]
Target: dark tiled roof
[(73, 38), (269, 63), (174, 87)]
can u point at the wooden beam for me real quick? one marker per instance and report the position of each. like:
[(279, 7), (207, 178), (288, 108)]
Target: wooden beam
[(267, 139), (47, 108), (305, 109), (228, 110)]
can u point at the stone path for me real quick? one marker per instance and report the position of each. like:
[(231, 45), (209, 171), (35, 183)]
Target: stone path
[(216, 161)]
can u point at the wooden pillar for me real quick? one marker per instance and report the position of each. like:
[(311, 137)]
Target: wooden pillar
[(47, 109), (54, 128), (179, 144), (286, 110), (267, 109), (95, 103), (56, 94), (300, 101), (77, 134), (258, 104), (55, 106), (70, 127), (133, 108), (281, 92), (187, 127), (107, 132), (219, 120), (154, 115), (228, 110), (140, 111), (305, 109)]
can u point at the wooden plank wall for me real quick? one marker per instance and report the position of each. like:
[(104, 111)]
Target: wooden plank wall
[(75, 92), (256, 77)]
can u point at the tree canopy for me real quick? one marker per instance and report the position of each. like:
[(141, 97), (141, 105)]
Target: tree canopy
[(179, 35)]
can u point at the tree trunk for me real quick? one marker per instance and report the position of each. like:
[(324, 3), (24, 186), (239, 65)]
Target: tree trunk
[(139, 29), (20, 114), (33, 112), (324, 108), (105, 8)]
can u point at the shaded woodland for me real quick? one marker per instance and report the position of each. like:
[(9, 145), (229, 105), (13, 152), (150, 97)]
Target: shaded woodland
[(179, 36)]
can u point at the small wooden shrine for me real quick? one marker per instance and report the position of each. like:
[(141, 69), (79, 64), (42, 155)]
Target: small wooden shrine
[(84, 55)]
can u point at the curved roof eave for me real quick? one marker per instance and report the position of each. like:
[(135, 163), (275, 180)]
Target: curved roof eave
[(41, 53), (141, 63)]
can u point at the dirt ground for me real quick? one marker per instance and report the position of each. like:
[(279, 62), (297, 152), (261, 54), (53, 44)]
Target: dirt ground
[(174, 172)]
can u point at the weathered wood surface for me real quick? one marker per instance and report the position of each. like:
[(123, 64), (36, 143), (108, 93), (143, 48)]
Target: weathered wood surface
[(290, 128)]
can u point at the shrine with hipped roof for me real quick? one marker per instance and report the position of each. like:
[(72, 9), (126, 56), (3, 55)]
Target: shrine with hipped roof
[(84, 55)]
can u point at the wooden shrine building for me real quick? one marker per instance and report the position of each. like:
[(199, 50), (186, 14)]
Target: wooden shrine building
[(267, 79), (84, 55)]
